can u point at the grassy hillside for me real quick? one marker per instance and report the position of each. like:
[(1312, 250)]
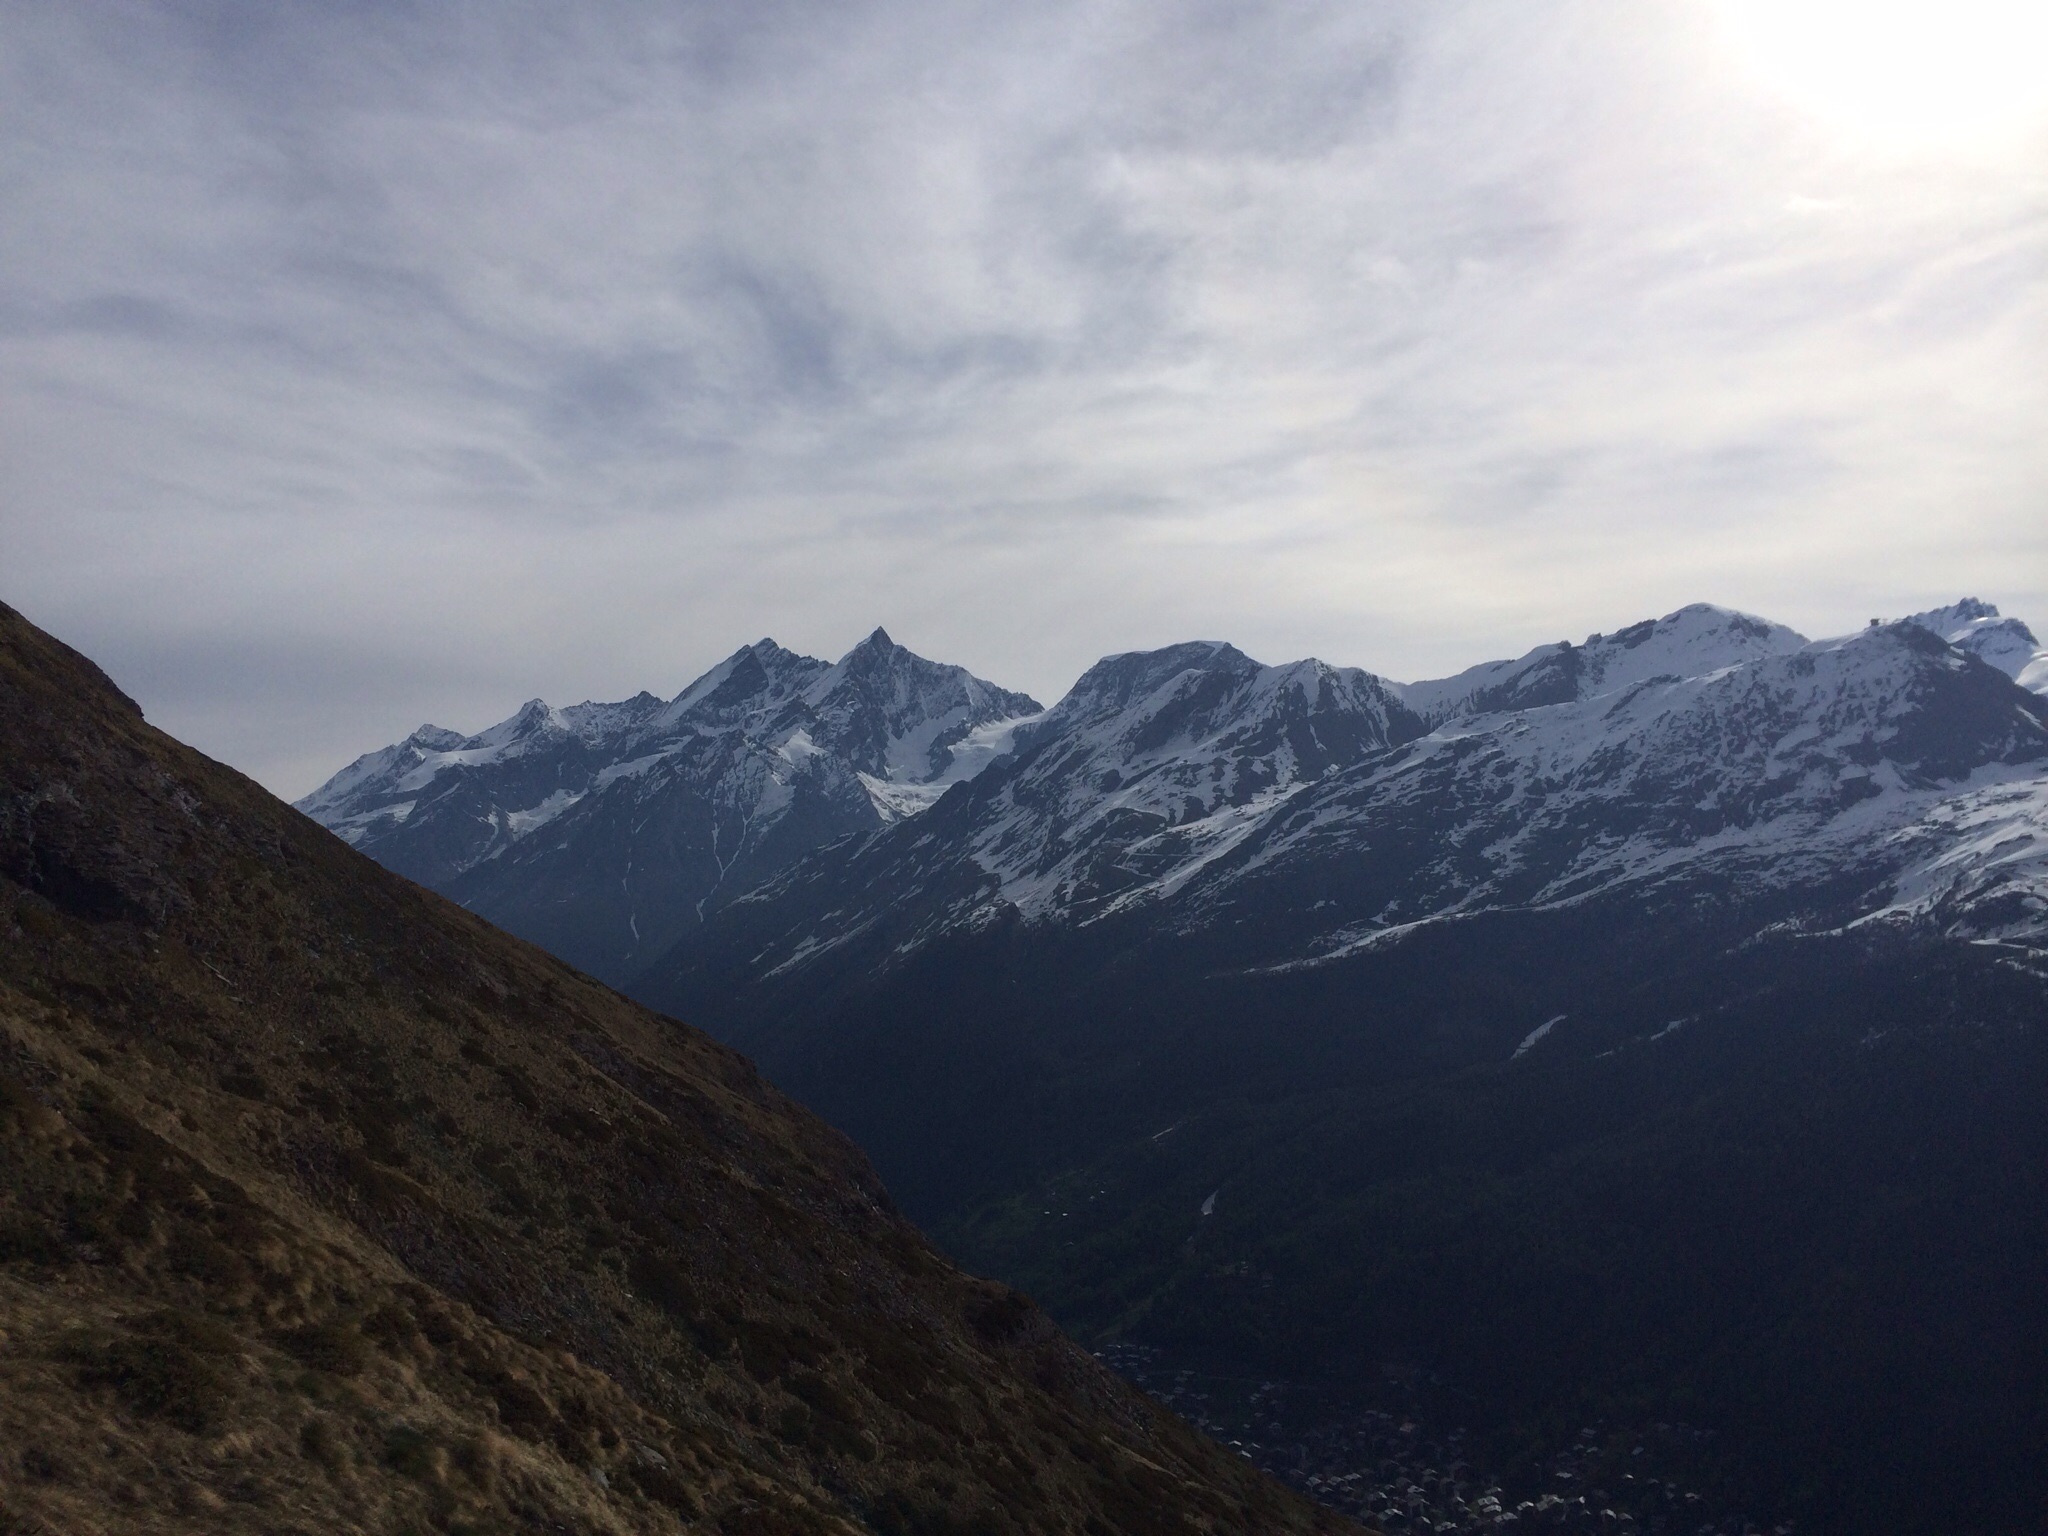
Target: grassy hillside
[(326, 1207)]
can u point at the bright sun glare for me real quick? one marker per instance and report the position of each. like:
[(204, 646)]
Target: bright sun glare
[(1904, 74)]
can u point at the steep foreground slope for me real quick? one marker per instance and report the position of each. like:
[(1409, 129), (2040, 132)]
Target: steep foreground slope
[(326, 1207)]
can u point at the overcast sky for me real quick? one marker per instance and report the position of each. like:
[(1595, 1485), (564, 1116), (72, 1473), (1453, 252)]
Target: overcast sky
[(365, 364)]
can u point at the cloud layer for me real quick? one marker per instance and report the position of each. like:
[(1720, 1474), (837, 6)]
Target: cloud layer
[(369, 363)]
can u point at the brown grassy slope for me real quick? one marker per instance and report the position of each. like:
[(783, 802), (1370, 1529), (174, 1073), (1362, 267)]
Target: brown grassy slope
[(324, 1206)]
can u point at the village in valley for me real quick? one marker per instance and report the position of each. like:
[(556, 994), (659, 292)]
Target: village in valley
[(1386, 1468)]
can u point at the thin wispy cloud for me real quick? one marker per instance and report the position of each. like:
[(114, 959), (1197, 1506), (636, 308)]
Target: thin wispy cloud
[(366, 363)]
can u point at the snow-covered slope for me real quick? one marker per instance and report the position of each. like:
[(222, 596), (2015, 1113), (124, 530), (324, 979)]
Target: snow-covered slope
[(1881, 775), (1160, 760), (2006, 644), (1154, 761), (601, 830), (1706, 756), (1692, 642), (536, 763)]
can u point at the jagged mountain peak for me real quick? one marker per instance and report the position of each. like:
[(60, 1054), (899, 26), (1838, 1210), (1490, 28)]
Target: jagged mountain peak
[(1625, 844), (753, 675), (1962, 612), (435, 738), (1115, 682), (1209, 696), (603, 827), (530, 719), (1977, 627), (880, 657), (896, 716), (1177, 748)]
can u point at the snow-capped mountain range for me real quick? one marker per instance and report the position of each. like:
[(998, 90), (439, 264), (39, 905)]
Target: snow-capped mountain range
[(602, 830), (1293, 814), (1901, 772), (1582, 1009)]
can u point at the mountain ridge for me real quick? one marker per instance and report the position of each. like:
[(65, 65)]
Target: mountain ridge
[(1889, 759), (608, 832), (542, 822)]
